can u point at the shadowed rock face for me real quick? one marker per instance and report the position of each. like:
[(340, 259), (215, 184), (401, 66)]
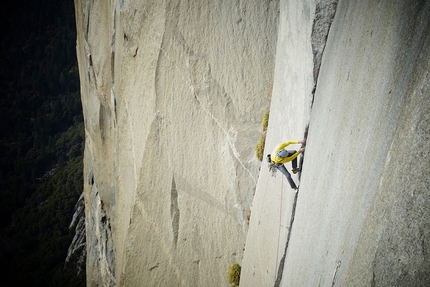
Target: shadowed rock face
[(173, 96)]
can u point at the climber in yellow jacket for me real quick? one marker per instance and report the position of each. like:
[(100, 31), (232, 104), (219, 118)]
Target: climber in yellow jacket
[(280, 156)]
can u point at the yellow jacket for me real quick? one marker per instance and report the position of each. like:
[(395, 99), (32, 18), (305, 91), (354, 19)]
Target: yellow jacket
[(279, 160)]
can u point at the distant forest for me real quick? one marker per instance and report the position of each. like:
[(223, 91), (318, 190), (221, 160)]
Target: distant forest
[(42, 142)]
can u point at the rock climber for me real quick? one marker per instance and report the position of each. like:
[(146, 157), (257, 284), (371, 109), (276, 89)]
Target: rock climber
[(280, 156)]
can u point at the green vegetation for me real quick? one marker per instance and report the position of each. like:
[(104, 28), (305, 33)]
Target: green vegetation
[(259, 148), (41, 143), (234, 274), (265, 122)]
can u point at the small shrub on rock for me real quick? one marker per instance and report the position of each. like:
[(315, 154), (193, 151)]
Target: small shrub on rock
[(259, 148), (234, 274), (265, 122)]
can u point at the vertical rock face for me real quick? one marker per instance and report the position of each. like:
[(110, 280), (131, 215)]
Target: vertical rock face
[(361, 215), (303, 28), (173, 93)]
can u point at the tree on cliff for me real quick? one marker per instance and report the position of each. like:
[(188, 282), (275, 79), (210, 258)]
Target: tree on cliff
[(41, 142)]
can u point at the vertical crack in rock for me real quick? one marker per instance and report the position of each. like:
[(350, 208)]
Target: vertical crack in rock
[(174, 211), (112, 47), (325, 11), (112, 65), (324, 14), (282, 262), (104, 122)]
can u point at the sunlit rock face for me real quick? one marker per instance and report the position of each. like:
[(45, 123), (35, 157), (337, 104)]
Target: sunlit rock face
[(361, 216), (78, 246), (173, 95)]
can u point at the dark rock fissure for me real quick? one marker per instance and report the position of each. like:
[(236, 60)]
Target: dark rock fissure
[(174, 211), (324, 14)]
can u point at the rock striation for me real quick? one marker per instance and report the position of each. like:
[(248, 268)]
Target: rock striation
[(78, 244), (173, 95)]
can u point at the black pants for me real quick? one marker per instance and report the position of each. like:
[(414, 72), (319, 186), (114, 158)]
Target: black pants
[(284, 170)]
